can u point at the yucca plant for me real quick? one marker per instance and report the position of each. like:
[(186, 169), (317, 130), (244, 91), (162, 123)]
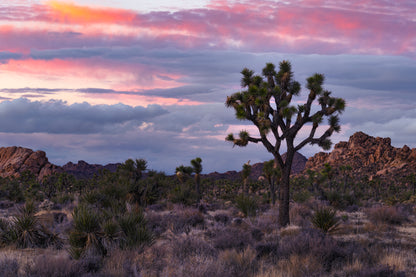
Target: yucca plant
[(133, 227), (325, 219), (111, 233), (86, 235), (246, 204), (26, 231)]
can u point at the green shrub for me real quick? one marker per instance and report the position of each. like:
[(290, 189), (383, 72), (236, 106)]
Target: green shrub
[(26, 231), (246, 204), (86, 235), (325, 220), (301, 196), (184, 194), (134, 230)]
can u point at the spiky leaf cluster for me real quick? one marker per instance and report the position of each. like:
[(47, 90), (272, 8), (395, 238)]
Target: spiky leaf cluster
[(266, 101)]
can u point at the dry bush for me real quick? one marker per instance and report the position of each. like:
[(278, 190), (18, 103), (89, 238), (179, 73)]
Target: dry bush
[(154, 260), (156, 223), (119, 262), (240, 263), (300, 215), (222, 217), (9, 267), (395, 260), (200, 266), (268, 221), (314, 243), (301, 265), (184, 219), (230, 237), (376, 271), (57, 266), (192, 246), (291, 230), (387, 215)]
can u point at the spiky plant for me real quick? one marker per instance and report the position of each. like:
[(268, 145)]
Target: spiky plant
[(246, 204), (197, 169), (325, 219), (86, 235), (133, 227)]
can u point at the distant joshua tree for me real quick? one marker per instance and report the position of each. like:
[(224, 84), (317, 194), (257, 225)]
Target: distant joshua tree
[(197, 169), (182, 172), (272, 174), (266, 103), (245, 173)]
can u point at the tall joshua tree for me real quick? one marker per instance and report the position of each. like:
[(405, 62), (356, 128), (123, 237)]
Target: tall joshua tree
[(266, 102), (197, 169)]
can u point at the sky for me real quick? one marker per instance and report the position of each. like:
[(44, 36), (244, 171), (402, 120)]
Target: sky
[(105, 81)]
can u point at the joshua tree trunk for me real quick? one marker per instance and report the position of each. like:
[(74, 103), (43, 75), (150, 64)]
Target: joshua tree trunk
[(198, 186), (284, 195)]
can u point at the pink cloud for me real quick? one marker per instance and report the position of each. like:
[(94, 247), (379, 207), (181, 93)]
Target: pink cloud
[(111, 73), (298, 27)]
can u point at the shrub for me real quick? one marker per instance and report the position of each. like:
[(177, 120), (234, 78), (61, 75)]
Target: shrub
[(231, 237), (222, 218), (192, 246), (378, 271), (86, 235), (185, 219), (389, 215), (247, 205), (26, 230), (241, 263), (134, 230), (314, 243), (52, 266), (9, 267), (325, 219)]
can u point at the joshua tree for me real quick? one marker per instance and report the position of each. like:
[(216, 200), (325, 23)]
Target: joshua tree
[(245, 174), (131, 170), (182, 172), (197, 169), (266, 102), (272, 174)]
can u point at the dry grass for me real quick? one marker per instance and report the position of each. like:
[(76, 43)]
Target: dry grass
[(218, 243), (396, 260)]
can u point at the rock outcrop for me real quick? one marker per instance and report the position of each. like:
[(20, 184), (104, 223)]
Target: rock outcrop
[(16, 160), (84, 170), (369, 156)]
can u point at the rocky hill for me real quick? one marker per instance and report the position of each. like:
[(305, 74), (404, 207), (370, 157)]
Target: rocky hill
[(368, 156), (84, 170), (16, 160), (298, 166)]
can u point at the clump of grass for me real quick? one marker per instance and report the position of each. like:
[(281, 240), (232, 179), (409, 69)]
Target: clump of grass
[(325, 219)]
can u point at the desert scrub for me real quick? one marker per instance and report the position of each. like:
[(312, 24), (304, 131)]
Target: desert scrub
[(325, 219), (134, 230), (86, 234), (246, 204), (25, 230), (387, 215)]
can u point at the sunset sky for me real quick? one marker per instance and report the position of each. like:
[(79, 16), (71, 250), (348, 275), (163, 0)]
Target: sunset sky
[(107, 80)]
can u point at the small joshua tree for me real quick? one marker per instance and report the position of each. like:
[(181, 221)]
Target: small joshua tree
[(245, 173), (197, 169), (266, 102), (272, 175)]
